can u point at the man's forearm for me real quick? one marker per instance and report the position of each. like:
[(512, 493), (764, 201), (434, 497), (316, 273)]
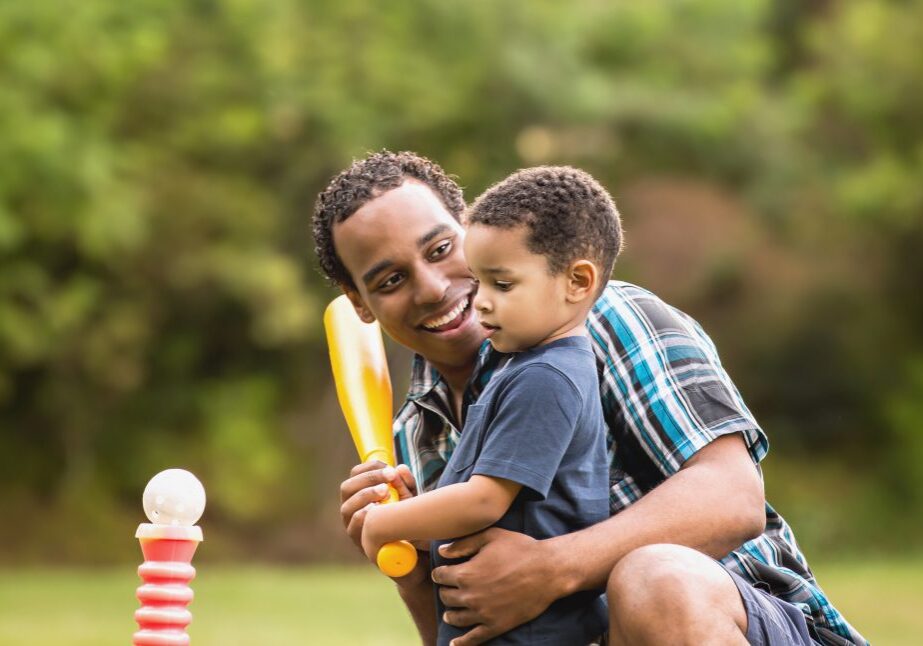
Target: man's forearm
[(418, 595), (712, 506)]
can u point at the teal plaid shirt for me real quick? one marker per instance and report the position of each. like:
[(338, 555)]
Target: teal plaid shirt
[(665, 395)]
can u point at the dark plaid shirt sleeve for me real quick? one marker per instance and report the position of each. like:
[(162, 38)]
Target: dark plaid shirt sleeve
[(664, 392)]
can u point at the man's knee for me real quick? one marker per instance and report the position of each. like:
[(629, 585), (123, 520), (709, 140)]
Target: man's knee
[(651, 574), (655, 581)]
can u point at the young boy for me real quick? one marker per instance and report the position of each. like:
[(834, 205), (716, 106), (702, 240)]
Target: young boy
[(532, 454)]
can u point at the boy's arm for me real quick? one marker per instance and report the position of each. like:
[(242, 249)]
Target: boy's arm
[(713, 504), (449, 512)]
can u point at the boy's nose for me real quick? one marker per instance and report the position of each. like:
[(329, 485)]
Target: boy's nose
[(482, 304)]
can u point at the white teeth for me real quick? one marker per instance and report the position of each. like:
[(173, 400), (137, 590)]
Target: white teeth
[(442, 320)]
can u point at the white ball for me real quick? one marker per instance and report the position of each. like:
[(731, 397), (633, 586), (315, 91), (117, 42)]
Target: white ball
[(174, 497)]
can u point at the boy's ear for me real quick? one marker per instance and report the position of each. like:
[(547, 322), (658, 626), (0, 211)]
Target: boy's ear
[(365, 314), (582, 279)]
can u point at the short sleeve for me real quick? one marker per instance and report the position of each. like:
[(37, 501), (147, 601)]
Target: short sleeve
[(665, 393), (531, 427)]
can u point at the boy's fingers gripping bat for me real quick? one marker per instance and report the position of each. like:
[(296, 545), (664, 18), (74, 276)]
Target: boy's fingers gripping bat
[(360, 370)]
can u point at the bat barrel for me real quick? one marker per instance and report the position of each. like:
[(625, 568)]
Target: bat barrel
[(360, 371)]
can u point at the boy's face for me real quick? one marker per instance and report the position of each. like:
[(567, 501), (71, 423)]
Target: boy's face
[(519, 303), (403, 250)]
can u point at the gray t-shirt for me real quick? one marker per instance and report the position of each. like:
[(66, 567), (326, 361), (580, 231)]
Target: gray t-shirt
[(539, 423)]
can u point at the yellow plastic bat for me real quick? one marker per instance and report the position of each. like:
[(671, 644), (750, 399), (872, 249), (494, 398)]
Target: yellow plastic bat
[(360, 370)]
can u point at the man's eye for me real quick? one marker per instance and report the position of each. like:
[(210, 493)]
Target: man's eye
[(391, 281), (503, 285), (443, 248)]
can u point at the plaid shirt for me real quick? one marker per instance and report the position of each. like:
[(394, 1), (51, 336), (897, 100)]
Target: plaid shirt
[(665, 395)]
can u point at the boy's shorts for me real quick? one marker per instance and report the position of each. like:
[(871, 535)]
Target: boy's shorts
[(770, 620)]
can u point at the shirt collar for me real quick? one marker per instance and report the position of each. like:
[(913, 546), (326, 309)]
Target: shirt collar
[(424, 377)]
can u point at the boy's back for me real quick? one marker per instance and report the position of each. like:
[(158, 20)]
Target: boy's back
[(539, 423)]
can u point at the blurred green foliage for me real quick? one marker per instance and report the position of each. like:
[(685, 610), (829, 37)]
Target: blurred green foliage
[(159, 161)]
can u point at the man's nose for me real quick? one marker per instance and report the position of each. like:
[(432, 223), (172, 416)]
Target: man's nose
[(432, 285)]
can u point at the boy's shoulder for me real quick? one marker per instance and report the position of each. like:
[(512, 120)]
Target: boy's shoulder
[(560, 352), (565, 361)]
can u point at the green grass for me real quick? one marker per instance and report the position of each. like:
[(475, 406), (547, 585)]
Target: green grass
[(248, 607), (883, 599), (337, 605)]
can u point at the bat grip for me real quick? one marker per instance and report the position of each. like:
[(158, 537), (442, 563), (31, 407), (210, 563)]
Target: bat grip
[(379, 454)]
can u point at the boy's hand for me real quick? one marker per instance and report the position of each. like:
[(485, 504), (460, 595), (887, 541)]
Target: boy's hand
[(367, 483), (370, 543)]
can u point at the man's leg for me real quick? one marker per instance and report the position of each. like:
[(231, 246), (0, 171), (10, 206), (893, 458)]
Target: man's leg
[(670, 594)]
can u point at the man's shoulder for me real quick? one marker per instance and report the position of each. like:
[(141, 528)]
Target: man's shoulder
[(621, 289), (623, 305), (619, 296)]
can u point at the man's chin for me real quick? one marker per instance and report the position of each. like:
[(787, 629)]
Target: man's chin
[(457, 346)]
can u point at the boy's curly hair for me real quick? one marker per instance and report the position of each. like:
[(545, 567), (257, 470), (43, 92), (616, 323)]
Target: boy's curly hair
[(569, 215), (363, 181)]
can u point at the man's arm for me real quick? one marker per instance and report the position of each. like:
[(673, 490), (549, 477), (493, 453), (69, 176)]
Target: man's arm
[(455, 510), (713, 504), (416, 591), (367, 483)]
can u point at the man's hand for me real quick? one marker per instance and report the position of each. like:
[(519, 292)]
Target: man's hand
[(508, 581), (368, 483)]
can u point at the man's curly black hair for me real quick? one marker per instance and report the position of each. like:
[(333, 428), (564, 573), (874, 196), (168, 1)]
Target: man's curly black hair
[(363, 181), (569, 215)]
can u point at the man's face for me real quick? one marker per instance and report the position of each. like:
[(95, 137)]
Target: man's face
[(518, 302), (403, 250)]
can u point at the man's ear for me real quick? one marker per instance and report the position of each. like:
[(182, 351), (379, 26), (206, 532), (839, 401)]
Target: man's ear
[(365, 314), (582, 279)]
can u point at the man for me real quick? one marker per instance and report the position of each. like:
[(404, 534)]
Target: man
[(685, 483)]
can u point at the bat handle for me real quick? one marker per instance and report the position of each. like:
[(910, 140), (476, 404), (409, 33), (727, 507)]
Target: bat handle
[(396, 559)]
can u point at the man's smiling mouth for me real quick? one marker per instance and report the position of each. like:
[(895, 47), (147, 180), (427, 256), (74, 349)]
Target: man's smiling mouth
[(450, 319)]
